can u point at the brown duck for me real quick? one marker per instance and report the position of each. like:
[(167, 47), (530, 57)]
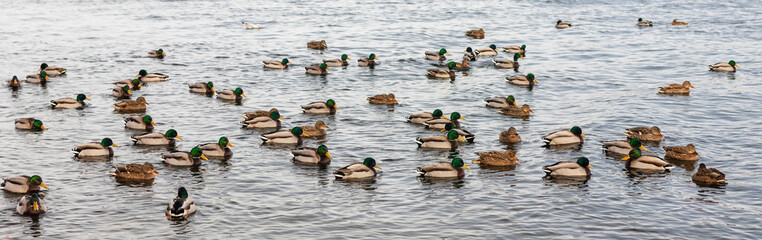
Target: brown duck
[(317, 45), (644, 133), (509, 136), (134, 171), (315, 131), (684, 153), (675, 88), (383, 99), (708, 176), (497, 158), (131, 106)]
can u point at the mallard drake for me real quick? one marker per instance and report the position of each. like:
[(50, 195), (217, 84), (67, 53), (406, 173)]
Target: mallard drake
[(522, 80), (358, 170), (134, 171), (439, 123), (441, 73), (293, 136), (675, 88), (157, 54), (122, 92), (319, 155), (561, 24), (156, 139), (470, 55), (708, 176), (14, 83), (491, 51), (181, 207), (497, 158), (28, 124), (317, 45), (644, 133), (52, 71), (342, 61), (508, 63), (23, 184), (437, 56), (228, 94), (453, 169), (637, 161), (622, 147), (69, 103), (178, 158), (131, 106), (421, 118), (476, 33), (516, 49), (31, 205), (315, 131), (679, 23), (463, 66), (271, 121), (317, 69), (205, 88), (249, 26), (95, 149), (440, 142), (563, 137), (500, 102), (717, 67), (524, 111), (41, 78), (580, 168), (387, 99), (370, 61), (151, 77), (327, 107), (644, 23), (258, 113), (683, 153), (277, 65), (139, 123), (221, 149), (509, 136), (461, 132), (133, 84)]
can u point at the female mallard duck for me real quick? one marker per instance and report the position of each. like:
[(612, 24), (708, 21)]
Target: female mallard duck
[(500, 102), (675, 88), (205, 88), (637, 161), (221, 149), (679, 23), (228, 94), (522, 80), (491, 51), (717, 67), (441, 73), (561, 24), (14, 83), (131, 106), (178, 158), (440, 123), (41, 78), (421, 118), (317, 45), (358, 170), (139, 123), (453, 169), (440, 142), (476, 33), (622, 147), (293, 136), (317, 69), (181, 207), (95, 149), (52, 71), (69, 103), (461, 132), (315, 131), (31, 205), (151, 77), (470, 55), (319, 155), (277, 65), (437, 56), (370, 61), (387, 99), (134, 171), (509, 136), (580, 168), (122, 92), (29, 124), (563, 137), (23, 184), (508, 63), (524, 111), (156, 139), (683, 153), (157, 54), (497, 158), (327, 107), (708, 176), (259, 113), (644, 133), (251, 26), (463, 66), (516, 49), (271, 121), (342, 61), (133, 84), (644, 23)]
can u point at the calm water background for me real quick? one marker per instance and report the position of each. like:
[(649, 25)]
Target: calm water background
[(602, 74)]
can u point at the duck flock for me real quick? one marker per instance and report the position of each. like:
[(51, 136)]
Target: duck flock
[(447, 130)]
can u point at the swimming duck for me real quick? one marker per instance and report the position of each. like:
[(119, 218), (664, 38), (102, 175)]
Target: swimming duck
[(31, 205), (131, 106), (437, 56), (251, 26), (133, 84), (508, 63), (675, 88), (509, 136), (205, 88), (139, 123), (181, 207), (522, 80), (14, 83), (440, 142), (675, 22), (637, 161), (259, 113), (155, 139), (95, 149), (717, 67), (271, 121), (441, 73), (516, 49), (683, 153), (317, 45), (463, 66), (69, 103), (220, 149), (52, 71), (315, 131), (327, 107), (563, 137), (524, 111), (41, 78), (23, 184), (317, 69), (387, 99), (228, 94), (491, 51), (470, 55), (477, 33), (122, 92), (319, 155), (644, 133), (178, 158), (708, 176), (561, 25), (134, 171), (358, 170), (342, 61), (293, 136), (151, 77), (644, 23), (453, 169), (421, 118), (440, 123), (29, 124), (580, 168), (277, 65), (461, 132), (370, 61), (497, 158), (622, 147), (157, 54), (500, 102)]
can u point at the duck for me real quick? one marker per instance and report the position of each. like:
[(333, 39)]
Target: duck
[(31, 205), (441, 73), (708, 176), (122, 92), (387, 99), (249, 26), (562, 137), (579, 168), (508, 63), (179, 158), (69, 103), (277, 65), (156, 139), (637, 161), (14, 83), (717, 67), (157, 54), (562, 25), (516, 49), (522, 80), (29, 124), (341, 61), (491, 51), (293, 136), (95, 149), (463, 65), (509, 136), (133, 84), (622, 147), (220, 149), (452, 169), (421, 118), (440, 123), (465, 134), (270, 121), (357, 171), (524, 111), (683, 153), (440, 142), (317, 69), (41, 78), (437, 56), (315, 131), (131, 106), (181, 207), (476, 33), (52, 71), (500, 102), (139, 123), (151, 77), (258, 113), (675, 88), (317, 45), (497, 158), (228, 94), (370, 61), (319, 155), (134, 171), (645, 133), (23, 184), (327, 107), (200, 87), (470, 55), (644, 23), (679, 23)]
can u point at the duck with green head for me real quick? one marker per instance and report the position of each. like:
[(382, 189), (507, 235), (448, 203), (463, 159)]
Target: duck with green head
[(437, 56), (14, 83), (95, 149), (501, 102), (317, 69), (201, 87), (579, 168), (31, 205), (160, 54), (370, 61), (622, 147), (145, 76), (139, 123), (462, 132), (41, 78), (181, 207), (228, 94), (338, 62), (157, 139), (357, 171), (561, 24), (508, 63), (455, 118), (221, 149), (179, 158), (23, 184), (69, 103), (452, 169), (327, 107), (718, 67), (258, 113), (644, 23), (122, 92), (491, 51), (28, 124), (522, 80), (637, 161), (441, 73), (516, 49), (270, 121), (282, 64), (133, 84), (319, 155), (564, 137), (421, 118), (288, 137), (439, 141), (52, 71)]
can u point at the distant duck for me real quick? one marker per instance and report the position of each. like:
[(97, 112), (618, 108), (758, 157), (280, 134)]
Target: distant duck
[(151, 77), (122, 92), (645, 133), (622, 147), (441, 73), (31, 205), (228, 94), (156, 139), (683, 153), (357, 171), (524, 111), (440, 123), (28, 124), (387, 99), (564, 137), (500, 102), (509, 136), (220, 149), (157, 54), (14, 83), (421, 118), (561, 24), (644, 23), (69, 103), (52, 71), (522, 80), (139, 123), (516, 49), (327, 107), (679, 23), (437, 56), (289, 137), (470, 55), (452, 169), (319, 155), (440, 142), (491, 51), (463, 66), (134, 171), (131, 106), (637, 161), (204, 88), (270, 121), (465, 134), (178, 158), (181, 207), (717, 67), (95, 149), (133, 84), (23, 184), (477, 33), (316, 131), (708, 176), (342, 61), (317, 45), (497, 158), (317, 69), (277, 65), (41, 78), (259, 113), (675, 88), (251, 26), (579, 168), (370, 61), (508, 63)]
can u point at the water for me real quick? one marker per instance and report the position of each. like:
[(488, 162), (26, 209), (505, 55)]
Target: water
[(602, 74)]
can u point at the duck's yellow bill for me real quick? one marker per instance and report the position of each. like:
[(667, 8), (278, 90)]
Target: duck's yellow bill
[(327, 68), (87, 99), (140, 85), (535, 80), (114, 145), (466, 167), (230, 144), (443, 130), (178, 137), (204, 157), (328, 155), (305, 135), (737, 65), (590, 166), (336, 107), (212, 90), (445, 117), (281, 118), (643, 148), (626, 157), (583, 135), (43, 185), (244, 95), (515, 104), (462, 118), (153, 123), (349, 58), (448, 53), (47, 78), (377, 166), (522, 57), (376, 58), (129, 92), (35, 206), (155, 172), (137, 75), (461, 139), (42, 127)]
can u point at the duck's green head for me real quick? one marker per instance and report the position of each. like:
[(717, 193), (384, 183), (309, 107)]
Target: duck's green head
[(372, 57), (344, 57), (371, 163), (469, 49), (171, 133), (517, 56), (456, 116), (635, 144), (453, 135), (448, 127), (451, 65), (224, 142), (196, 153), (161, 51), (443, 51), (531, 78), (239, 91), (182, 193), (438, 113), (275, 115), (733, 63), (634, 154), (81, 97), (136, 83), (43, 66), (37, 124), (584, 162), (148, 120), (106, 142), (36, 180), (285, 61), (44, 75), (210, 86), (34, 199), (640, 19), (297, 131), (523, 47), (126, 89), (458, 163), (331, 104), (493, 47), (142, 73), (559, 22), (323, 151), (577, 131), (511, 100)]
